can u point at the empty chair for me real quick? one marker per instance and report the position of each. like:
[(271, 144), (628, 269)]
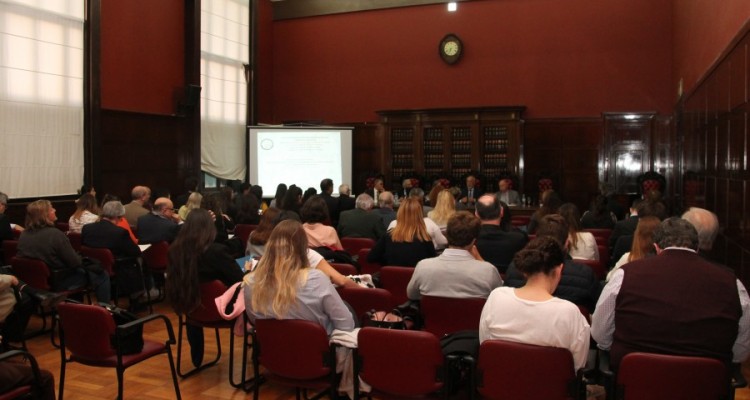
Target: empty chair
[(508, 370), (294, 353), (363, 300), (400, 363), (395, 280), (353, 245), (444, 315), (90, 334)]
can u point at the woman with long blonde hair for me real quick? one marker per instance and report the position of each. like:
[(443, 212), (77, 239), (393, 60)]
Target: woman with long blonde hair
[(444, 209), (643, 243), (194, 201), (283, 286), (408, 242)]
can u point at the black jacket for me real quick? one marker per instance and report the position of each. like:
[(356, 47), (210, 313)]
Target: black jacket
[(498, 247), (104, 234)]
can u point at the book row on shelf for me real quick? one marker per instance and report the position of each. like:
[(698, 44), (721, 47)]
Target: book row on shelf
[(496, 145), (461, 146)]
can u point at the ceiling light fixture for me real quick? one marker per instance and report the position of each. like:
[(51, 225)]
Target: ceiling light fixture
[(452, 6)]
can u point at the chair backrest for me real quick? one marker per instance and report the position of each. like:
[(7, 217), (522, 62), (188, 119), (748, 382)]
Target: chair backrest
[(352, 245), (511, 370), (600, 233), (87, 330), (400, 362), (363, 300), (32, 271), (63, 226), (207, 313), (659, 376), (10, 249), (366, 267), (345, 269), (104, 256), (293, 348), (156, 257), (243, 231), (603, 253), (597, 266), (444, 315), (395, 280), (75, 240)]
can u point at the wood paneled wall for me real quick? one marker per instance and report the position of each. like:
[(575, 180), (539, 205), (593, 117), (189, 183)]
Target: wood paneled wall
[(714, 132)]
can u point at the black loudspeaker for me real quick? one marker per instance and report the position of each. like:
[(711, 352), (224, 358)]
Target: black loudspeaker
[(187, 99)]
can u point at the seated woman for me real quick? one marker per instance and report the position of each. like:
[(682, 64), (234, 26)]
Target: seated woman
[(314, 213), (408, 242), (598, 215), (256, 246), (42, 241), (283, 286), (643, 243), (531, 314), (86, 212), (582, 244), (195, 258), (550, 203), (193, 202), (444, 209)]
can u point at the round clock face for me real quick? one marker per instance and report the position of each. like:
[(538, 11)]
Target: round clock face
[(450, 48)]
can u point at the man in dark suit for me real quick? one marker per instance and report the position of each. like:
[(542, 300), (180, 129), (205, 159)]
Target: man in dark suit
[(674, 303), (375, 190), (346, 202), (494, 244), (326, 189), (106, 233), (160, 224), (361, 221), (471, 192)]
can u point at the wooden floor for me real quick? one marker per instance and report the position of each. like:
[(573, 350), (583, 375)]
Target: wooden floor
[(151, 380)]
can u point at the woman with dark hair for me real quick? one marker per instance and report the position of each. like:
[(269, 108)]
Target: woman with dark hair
[(195, 258), (550, 202), (278, 198), (292, 200), (247, 209), (314, 214), (257, 191), (310, 192), (598, 215), (408, 242), (582, 244), (87, 211), (530, 314), (216, 204)]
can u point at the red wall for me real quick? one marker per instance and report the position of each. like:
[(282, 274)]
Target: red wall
[(702, 30), (142, 54), (559, 58)]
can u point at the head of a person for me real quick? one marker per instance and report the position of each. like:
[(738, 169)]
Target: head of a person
[(445, 203), (406, 183), (551, 202), (488, 209), (3, 202), (417, 193), (542, 255), (599, 205), (292, 199), (505, 184), (310, 192), (314, 211), (268, 221), (113, 211), (214, 202), (643, 238), (572, 216), (164, 206), (326, 186), (40, 214), (676, 232), (88, 189), (365, 202), (463, 230), (707, 225), (245, 188), (635, 205), (648, 208), (141, 194), (344, 190), (280, 191), (280, 271), (257, 191), (378, 185), (554, 226), (432, 197), (194, 201), (471, 181), (410, 222), (87, 202), (385, 199)]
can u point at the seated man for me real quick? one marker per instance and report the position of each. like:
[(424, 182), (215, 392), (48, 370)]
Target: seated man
[(495, 244), (471, 192), (459, 272), (578, 284), (346, 202), (506, 194), (674, 303), (161, 224), (385, 212), (107, 234), (361, 221), (137, 208)]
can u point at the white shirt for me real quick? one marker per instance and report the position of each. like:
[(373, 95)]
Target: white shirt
[(438, 239), (554, 323), (586, 249)]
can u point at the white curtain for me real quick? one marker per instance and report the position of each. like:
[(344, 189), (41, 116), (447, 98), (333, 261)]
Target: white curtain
[(41, 97), (225, 27)]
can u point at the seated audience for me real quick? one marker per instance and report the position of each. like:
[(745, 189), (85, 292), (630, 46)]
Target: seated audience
[(292, 200), (42, 241), (598, 215), (578, 283), (362, 221), (248, 208), (86, 213), (707, 225), (161, 224), (314, 214), (674, 303), (278, 198), (310, 192), (531, 314), (195, 258), (432, 197), (385, 211), (346, 202), (445, 208), (138, 206), (408, 242), (495, 244), (108, 234), (122, 223), (257, 191), (459, 272), (550, 203), (643, 243), (583, 245), (283, 286), (438, 239), (623, 231), (418, 194), (326, 191), (193, 201), (506, 194), (217, 204)]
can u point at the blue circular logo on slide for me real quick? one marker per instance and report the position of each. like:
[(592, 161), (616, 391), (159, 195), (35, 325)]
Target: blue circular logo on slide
[(266, 144)]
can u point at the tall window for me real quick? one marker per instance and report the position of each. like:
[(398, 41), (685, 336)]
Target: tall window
[(41, 97), (225, 37)]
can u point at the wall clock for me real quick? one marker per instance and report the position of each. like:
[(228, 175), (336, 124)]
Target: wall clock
[(451, 48)]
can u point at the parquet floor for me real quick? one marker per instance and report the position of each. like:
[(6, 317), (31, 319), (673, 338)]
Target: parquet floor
[(151, 380)]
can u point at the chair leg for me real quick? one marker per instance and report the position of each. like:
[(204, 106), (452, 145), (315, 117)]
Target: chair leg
[(120, 373), (61, 386), (188, 373), (178, 396)]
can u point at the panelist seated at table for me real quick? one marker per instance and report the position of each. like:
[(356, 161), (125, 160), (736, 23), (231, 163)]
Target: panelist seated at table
[(506, 194)]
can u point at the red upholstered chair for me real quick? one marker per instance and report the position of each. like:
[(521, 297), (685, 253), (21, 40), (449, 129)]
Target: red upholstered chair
[(649, 185), (645, 376), (352, 245), (10, 249), (156, 260), (597, 266), (603, 253), (395, 280), (294, 353), (16, 234), (345, 269), (443, 315), (75, 240), (26, 391), (508, 370), (110, 264), (104, 255), (87, 331), (243, 231), (400, 363), (63, 226), (544, 184), (366, 267), (600, 233), (363, 300)]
